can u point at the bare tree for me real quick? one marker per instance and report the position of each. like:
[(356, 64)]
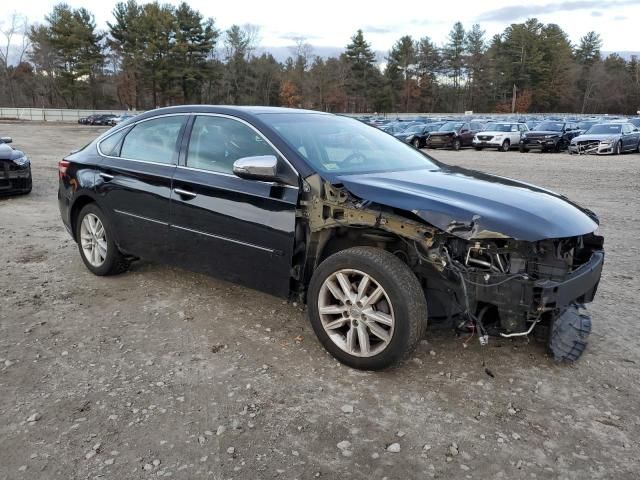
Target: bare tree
[(14, 47)]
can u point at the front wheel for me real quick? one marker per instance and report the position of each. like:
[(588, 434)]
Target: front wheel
[(456, 145), (367, 308), (523, 149), (506, 145), (618, 150), (97, 248), (416, 143)]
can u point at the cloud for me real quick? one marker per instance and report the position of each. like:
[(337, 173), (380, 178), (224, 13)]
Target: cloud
[(596, 14), (376, 29), (619, 18), (294, 36), (516, 12)]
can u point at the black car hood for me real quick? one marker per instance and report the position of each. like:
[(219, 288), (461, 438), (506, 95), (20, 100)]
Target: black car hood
[(474, 205), (8, 153)]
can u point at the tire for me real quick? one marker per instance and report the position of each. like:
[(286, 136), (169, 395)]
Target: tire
[(506, 145), (523, 149), (112, 261), (401, 304), (456, 145), (618, 149), (416, 143), (569, 334), (638, 149), (478, 148)]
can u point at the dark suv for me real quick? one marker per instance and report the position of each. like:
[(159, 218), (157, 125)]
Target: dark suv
[(549, 136), (367, 230), (453, 135)]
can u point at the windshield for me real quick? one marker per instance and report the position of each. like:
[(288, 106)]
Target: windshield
[(586, 125), (451, 126), (340, 145), (604, 129), (503, 127), (414, 129), (550, 126)]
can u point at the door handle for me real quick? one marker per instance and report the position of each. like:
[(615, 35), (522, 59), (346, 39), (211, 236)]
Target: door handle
[(185, 193), (106, 176)]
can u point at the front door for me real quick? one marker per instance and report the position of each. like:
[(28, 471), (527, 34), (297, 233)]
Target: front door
[(236, 229), (135, 175)]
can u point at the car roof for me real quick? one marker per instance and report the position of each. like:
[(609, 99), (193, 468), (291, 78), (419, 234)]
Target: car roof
[(240, 111)]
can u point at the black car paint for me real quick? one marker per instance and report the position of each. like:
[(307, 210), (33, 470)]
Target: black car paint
[(472, 204), (236, 225), (548, 139), (14, 178)]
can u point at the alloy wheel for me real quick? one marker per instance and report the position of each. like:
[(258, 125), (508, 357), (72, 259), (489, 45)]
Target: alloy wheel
[(356, 313), (93, 239)]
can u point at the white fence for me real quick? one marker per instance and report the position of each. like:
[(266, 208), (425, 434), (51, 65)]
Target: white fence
[(52, 114)]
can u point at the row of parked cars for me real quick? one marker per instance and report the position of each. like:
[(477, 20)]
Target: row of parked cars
[(598, 135), (104, 119)]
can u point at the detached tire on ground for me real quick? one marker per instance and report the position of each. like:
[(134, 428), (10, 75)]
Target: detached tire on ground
[(98, 250), (569, 334), (367, 308)]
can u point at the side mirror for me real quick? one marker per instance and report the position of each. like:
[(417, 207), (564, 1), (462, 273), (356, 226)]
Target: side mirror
[(261, 167), (6, 139)]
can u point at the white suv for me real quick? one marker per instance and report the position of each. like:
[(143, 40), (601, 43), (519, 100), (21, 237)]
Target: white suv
[(503, 136)]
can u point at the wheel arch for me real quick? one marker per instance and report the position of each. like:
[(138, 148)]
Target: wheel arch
[(78, 204)]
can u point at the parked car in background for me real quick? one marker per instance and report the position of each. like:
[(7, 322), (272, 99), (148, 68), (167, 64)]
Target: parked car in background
[(87, 120), (502, 136), (607, 138), (15, 169), (453, 135), (417, 135), (373, 234), (585, 125), (119, 119), (635, 122), (550, 135), (103, 119)]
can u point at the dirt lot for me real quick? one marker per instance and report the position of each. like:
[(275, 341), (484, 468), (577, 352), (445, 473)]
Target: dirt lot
[(162, 372)]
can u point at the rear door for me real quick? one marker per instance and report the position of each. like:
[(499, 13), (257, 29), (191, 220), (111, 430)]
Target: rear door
[(134, 184), (236, 229)]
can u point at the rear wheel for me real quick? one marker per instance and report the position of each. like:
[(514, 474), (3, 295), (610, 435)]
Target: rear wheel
[(456, 144), (416, 143), (367, 308), (97, 248), (506, 145)]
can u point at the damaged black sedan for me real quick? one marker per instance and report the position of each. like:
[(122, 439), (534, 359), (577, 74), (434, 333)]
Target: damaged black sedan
[(15, 169), (375, 236)]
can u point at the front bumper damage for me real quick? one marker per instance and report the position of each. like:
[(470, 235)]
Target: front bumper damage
[(592, 148)]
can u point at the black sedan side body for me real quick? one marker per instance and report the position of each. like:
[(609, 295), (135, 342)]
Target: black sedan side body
[(151, 176)]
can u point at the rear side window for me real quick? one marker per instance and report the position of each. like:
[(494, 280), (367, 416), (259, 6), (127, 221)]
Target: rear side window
[(154, 140), (217, 142), (111, 145)]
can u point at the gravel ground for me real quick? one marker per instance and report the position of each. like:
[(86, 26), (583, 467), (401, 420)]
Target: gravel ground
[(162, 372)]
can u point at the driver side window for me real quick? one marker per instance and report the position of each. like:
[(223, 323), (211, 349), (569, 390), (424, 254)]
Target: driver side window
[(217, 142)]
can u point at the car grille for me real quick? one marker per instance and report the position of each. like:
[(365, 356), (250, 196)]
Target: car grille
[(485, 138), (589, 143)]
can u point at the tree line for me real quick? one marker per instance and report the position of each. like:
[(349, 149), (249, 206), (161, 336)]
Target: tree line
[(157, 54)]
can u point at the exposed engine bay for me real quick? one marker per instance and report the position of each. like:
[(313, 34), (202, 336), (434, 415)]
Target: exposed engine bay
[(484, 286)]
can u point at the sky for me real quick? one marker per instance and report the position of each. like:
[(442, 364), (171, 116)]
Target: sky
[(329, 24)]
